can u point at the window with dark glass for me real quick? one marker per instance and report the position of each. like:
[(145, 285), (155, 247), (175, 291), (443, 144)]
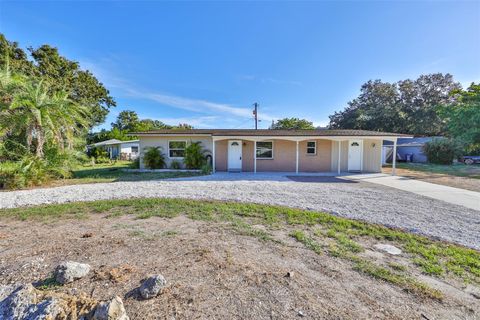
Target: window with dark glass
[(265, 150), (176, 149), (135, 149), (311, 147)]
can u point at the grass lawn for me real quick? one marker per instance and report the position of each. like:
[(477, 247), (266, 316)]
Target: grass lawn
[(113, 172), (459, 170), (325, 234)]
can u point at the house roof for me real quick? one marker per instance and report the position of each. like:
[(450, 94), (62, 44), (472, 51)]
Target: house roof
[(110, 142), (105, 143), (268, 132)]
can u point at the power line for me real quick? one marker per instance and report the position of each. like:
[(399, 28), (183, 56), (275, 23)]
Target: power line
[(242, 124)]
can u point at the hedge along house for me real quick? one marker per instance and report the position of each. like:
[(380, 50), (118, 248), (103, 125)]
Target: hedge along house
[(239, 150)]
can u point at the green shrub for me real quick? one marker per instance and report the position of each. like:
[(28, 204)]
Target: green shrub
[(175, 165), (82, 158), (28, 172), (97, 153), (442, 150), (206, 169), (102, 160), (32, 171), (59, 164), (135, 164), (194, 156), (153, 158), (10, 176), (11, 149), (473, 149)]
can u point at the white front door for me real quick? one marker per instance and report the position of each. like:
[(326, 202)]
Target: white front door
[(234, 155), (355, 155)]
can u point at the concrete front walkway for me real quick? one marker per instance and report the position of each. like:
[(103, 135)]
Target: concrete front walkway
[(462, 197)]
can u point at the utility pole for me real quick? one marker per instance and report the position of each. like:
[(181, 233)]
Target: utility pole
[(255, 113)]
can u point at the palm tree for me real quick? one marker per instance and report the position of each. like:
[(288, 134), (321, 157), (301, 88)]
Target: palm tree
[(42, 117), (10, 86)]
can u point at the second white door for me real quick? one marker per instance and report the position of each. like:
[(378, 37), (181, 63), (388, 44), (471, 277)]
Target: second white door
[(234, 155), (355, 155)]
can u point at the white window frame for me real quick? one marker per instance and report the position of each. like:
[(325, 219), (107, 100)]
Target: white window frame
[(315, 148), (168, 148), (261, 158)]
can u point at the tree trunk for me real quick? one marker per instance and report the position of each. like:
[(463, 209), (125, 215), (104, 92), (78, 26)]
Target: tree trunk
[(40, 142), (29, 138)]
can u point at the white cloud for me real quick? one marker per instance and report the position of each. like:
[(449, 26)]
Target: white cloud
[(204, 122), (213, 112), (198, 105)]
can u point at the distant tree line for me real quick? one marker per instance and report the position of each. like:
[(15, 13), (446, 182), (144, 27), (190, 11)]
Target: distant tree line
[(292, 123), (128, 122), (431, 105)]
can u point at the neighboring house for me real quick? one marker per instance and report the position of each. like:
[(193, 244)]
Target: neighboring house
[(319, 150), (406, 148), (117, 149)]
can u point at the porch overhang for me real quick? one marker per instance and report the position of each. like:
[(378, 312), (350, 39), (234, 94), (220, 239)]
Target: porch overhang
[(297, 140)]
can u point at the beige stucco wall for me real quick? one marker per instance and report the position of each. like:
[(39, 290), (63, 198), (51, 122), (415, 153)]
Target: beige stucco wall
[(319, 162), (247, 156), (161, 141), (283, 157), (284, 154), (221, 148), (343, 156), (372, 155)]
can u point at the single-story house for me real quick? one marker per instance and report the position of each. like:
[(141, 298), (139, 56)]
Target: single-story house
[(117, 149), (234, 150), (408, 149)]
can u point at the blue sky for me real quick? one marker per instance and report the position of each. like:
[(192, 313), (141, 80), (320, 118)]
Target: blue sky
[(205, 63)]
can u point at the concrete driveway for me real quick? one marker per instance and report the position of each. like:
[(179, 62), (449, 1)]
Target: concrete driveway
[(361, 197), (462, 197)]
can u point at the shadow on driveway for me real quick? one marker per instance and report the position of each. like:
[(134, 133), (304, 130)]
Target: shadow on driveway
[(319, 179)]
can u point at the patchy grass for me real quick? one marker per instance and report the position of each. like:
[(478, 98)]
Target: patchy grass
[(47, 284), (169, 233), (397, 266), (246, 229), (406, 282), (323, 233), (114, 172), (459, 169), (309, 242), (345, 248)]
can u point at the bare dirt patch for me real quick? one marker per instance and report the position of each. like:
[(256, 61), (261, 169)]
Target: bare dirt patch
[(213, 272)]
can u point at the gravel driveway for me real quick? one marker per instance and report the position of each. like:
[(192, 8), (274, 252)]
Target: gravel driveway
[(358, 200)]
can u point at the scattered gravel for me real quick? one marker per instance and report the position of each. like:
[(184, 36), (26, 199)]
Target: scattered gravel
[(358, 200)]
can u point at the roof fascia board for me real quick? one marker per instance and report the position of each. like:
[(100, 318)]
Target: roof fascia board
[(173, 134), (303, 138)]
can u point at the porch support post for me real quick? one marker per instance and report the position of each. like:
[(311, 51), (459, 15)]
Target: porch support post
[(296, 160), (339, 155), (255, 156), (213, 156), (394, 156)]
